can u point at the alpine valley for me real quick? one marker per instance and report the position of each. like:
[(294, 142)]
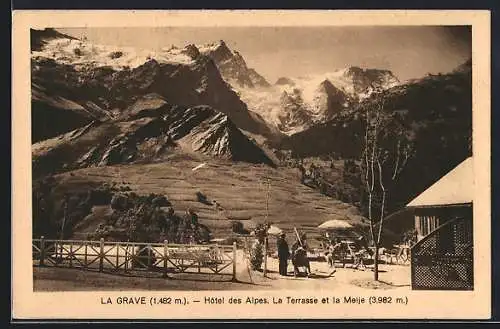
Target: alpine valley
[(139, 121)]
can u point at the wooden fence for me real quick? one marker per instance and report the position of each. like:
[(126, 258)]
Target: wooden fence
[(135, 256)]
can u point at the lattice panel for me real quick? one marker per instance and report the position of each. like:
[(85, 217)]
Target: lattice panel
[(444, 259)]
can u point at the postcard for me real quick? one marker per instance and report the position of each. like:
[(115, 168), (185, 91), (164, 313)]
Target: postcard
[(293, 164)]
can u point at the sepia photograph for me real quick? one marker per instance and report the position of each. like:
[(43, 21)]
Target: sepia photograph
[(332, 158)]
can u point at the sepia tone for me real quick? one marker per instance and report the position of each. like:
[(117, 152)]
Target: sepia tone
[(262, 160)]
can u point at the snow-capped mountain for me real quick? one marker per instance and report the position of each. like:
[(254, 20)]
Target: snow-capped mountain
[(232, 66), (98, 82), (81, 54), (96, 105), (210, 74), (294, 104)]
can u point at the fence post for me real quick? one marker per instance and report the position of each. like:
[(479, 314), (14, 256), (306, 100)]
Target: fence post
[(126, 257), (150, 252), (71, 254), (101, 255), (42, 250), (86, 255), (118, 247), (234, 261), (165, 251), (132, 257)]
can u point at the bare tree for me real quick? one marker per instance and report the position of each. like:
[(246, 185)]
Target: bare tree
[(385, 153)]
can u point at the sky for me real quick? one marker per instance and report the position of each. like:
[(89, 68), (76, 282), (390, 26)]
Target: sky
[(408, 51)]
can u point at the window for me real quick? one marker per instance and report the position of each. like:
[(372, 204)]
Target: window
[(426, 224)]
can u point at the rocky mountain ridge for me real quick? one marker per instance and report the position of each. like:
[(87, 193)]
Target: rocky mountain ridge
[(295, 104), (92, 82), (150, 130)]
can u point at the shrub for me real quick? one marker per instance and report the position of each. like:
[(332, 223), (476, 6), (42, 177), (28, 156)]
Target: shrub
[(256, 255), (202, 198), (119, 202), (261, 232), (100, 197), (160, 201), (116, 54), (203, 234)]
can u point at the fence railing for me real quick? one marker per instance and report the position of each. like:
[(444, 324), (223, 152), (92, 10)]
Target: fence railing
[(443, 260), (135, 256)]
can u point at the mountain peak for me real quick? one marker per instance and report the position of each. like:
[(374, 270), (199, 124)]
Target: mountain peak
[(218, 51), (232, 65), (353, 70), (220, 46), (222, 43), (326, 84), (365, 80), (356, 70), (191, 50)]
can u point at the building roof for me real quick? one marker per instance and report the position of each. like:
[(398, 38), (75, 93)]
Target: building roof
[(456, 187)]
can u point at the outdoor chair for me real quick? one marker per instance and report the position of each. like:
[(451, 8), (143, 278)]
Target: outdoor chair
[(358, 256), (392, 255)]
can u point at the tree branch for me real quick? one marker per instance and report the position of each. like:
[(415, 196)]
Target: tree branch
[(398, 155), (382, 207)]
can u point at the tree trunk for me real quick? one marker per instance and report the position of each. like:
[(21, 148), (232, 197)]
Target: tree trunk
[(265, 256), (375, 264)]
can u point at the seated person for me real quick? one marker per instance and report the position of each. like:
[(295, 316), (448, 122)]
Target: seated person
[(362, 252), (299, 256), (332, 251)]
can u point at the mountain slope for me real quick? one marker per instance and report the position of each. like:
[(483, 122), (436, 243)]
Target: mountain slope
[(69, 114), (435, 114), (149, 131)]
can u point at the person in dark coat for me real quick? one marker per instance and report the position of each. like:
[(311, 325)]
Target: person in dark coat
[(299, 256), (283, 254)]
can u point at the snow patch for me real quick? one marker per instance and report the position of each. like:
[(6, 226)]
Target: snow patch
[(80, 53), (267, 101)]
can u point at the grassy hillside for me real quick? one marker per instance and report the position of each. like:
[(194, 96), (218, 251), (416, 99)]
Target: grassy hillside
[(238, 188)]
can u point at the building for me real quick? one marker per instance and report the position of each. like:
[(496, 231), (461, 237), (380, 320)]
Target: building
[(448, 198), (442, 258)]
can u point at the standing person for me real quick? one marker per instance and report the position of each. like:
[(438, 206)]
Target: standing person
[(283, 254), (332, 250)]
